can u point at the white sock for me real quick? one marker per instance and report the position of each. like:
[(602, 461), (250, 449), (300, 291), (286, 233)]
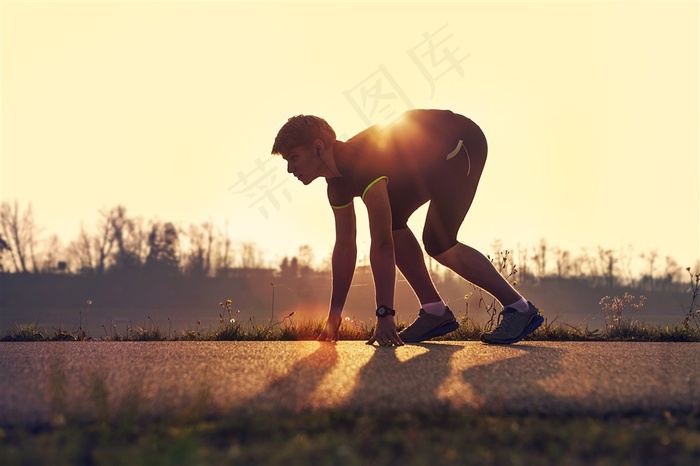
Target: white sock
[(520, 305), (437, 308)]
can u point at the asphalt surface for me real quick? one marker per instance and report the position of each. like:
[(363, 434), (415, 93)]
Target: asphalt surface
[(45, 381)]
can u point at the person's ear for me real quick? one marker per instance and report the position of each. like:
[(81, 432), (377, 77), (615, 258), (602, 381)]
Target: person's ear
[(319, 147)]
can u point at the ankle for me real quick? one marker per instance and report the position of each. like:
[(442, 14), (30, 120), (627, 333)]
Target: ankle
[(520, 305), (437, 308)]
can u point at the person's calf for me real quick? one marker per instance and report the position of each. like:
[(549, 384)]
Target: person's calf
[(477, 269)]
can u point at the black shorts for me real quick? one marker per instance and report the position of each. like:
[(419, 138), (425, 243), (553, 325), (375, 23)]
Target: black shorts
[(450, 187)]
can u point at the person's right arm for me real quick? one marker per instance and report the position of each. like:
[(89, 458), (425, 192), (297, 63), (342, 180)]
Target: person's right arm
[(343, 268)]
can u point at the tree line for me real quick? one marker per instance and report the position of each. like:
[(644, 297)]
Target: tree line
[(598, 268), (121, 243)]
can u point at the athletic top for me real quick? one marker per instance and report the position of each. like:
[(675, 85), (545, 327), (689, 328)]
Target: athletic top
[(410, 153)]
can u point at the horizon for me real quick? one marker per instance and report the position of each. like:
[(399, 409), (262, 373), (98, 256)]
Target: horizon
[(630, 264)]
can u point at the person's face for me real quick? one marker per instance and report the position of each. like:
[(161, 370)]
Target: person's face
[(304, 163)]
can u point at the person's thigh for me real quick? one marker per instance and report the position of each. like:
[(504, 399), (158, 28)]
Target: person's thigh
[(453, 188)]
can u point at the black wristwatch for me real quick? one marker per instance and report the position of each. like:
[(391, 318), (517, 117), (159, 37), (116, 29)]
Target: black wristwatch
[(383, 311)]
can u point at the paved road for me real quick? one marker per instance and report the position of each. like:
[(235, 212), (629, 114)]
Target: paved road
[(43, 380)]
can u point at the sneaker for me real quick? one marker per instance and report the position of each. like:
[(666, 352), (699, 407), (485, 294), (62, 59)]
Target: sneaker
[(514, 326), (427, 326)]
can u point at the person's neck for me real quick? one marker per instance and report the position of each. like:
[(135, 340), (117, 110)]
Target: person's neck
[(328, 160)]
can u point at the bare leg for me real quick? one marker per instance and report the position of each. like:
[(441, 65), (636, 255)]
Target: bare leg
[(411, 263), (474, 267)]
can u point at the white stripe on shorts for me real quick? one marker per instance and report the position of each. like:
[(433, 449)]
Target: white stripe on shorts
[(460, 146)]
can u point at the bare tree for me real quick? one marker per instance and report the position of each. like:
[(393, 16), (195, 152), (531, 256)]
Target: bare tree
[(209, 239), (222, 252), (198, 260), (20, 232), (502, 258), (3, 248), (497, 258), (306, 259), (93, 253), (648, 279), (52, 255), (104, 240), (523, 264), (563, 262), (80, 250), (163, 249), (589, 266), (673, 273), (540, 258), (289, 270), (130, 239), (607, 261), (578, 266), (627, 276), (251, 256)]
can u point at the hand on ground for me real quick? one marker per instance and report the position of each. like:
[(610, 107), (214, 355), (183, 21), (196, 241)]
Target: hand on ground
[(385, 333), (330, 331)]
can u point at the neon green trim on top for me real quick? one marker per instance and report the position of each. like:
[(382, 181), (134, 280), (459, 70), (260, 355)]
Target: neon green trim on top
[(338, 207), (372, 184)]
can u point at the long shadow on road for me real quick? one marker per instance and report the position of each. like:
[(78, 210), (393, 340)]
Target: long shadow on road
[(294, 389), (392, 379), (515, 384), (386, 382)]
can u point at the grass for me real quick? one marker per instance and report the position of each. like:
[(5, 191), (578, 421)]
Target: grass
[(351, 438), (308, 329)]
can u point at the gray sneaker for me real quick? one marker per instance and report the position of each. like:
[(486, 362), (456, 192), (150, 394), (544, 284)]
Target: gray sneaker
[(514, 326), (427, 326)]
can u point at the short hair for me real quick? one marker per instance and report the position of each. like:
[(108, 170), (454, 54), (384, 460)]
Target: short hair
[(302, 129)]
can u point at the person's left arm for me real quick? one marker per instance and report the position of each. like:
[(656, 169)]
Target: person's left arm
[(382, 260)]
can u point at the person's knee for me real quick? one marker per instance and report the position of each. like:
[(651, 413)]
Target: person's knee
[(401, 230), (436, 248)]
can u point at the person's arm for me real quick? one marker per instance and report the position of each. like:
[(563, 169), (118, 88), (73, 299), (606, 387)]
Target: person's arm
[(381, 256), (343, 268)]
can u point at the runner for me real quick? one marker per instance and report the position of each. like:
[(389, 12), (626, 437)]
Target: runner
[(433, 156)]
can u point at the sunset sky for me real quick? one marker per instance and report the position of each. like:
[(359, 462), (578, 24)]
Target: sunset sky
[(590, 109)]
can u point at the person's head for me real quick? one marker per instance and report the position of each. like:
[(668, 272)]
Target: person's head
[(302, 142)]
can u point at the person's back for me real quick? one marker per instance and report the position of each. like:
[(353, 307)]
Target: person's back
[(419, 138), (411, 152), (419, 154)]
